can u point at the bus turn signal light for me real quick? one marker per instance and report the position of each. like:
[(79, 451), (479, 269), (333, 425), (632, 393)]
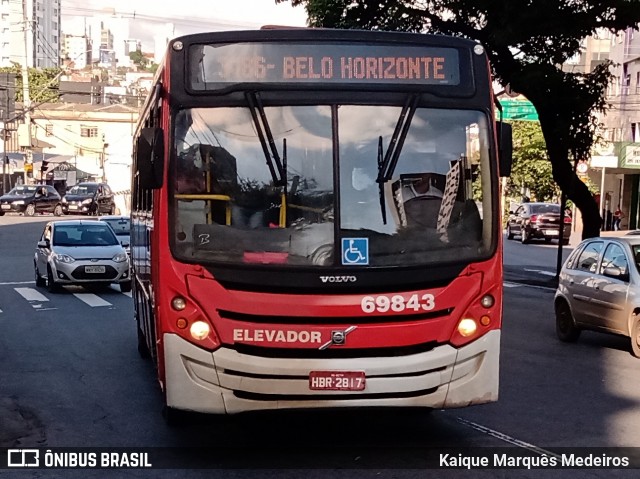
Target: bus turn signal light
[(181, 323), (485, 320), (467, 327)]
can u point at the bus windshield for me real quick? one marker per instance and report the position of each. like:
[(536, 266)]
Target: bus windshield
[(311, 191)]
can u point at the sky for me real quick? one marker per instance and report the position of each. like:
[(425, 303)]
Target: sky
[(188, 16)]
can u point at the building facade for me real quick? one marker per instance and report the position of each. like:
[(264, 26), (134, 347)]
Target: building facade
[(41, 21)]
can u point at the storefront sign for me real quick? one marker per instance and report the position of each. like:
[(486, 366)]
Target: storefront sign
[(604, 162), (631, 156)]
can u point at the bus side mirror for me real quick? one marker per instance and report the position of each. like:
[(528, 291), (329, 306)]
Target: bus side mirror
[(505, 140), (150, 158)]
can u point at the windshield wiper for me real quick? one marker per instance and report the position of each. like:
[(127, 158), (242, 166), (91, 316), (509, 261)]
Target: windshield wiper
[(386, 169), (266, 139), (387, 164), (383, 205)]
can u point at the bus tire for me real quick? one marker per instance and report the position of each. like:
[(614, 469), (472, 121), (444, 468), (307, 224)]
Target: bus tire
[(143, 350), (175, 417), (566, 328)]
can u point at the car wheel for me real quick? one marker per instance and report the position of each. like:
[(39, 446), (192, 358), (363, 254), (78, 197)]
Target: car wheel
[(30, 210), (125, 287), (509, 233), (57, 211), (566, 328), (635, 336), (524, 236), (51, 284), (40, 281), (1, 213), (547, 239)]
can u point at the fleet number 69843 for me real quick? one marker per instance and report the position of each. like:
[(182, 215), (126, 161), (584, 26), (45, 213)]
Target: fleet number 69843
[(397, 303)]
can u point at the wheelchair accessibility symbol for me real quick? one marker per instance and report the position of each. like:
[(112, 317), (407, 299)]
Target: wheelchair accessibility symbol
[(355, 251)]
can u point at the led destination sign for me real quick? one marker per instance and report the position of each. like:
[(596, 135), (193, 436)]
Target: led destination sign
[(217, 66)]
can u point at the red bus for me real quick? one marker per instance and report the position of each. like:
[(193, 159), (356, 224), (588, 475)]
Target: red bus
[(316, 222)]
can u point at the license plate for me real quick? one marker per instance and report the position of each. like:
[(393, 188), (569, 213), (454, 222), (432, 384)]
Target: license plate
[(551, 232), (6, 207), (94, 269), (73, 207), (337, 380)]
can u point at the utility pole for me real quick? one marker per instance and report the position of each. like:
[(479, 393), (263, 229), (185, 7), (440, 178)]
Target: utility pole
[(25, 88)]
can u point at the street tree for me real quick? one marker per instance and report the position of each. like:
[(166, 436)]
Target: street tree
[(43, 83), (531, 168), (527, 43)]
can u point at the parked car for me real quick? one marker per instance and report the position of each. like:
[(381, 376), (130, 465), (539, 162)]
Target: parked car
[(31, 199), (538, 221), (121, 227), (80, 252), (89, 199), (599, 289)]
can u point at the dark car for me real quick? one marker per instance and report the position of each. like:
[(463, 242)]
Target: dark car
[(31, 199), (89, 199), (538, 221)]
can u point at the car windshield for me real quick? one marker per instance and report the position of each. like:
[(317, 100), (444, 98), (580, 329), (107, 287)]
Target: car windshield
[(83, 190), (23, 190), (119, 225), (84, 235), (541, 209)]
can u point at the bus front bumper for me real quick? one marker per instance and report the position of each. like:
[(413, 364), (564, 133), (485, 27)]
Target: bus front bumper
[(226, 381)]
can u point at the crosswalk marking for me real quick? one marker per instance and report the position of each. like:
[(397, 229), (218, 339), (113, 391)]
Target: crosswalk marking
[(91, 299), (31, 294)]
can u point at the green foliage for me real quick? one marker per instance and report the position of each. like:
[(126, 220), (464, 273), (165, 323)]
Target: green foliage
[(527, 43), (139, 59), (43, 83), (531, 168)]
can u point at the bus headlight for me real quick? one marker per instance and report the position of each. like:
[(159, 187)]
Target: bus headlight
[(199, 330), (178, 303), (467, 327)]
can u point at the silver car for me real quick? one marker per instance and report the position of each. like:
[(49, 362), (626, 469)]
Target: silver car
[(121, 227), (599, 289), (80, 252)]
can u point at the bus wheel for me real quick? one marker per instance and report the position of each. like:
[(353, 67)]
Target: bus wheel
[(566, 328), (174, 417), (143, 350), (635, 336)]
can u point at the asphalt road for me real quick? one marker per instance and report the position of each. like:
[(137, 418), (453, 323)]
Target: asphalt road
[(70, 376)]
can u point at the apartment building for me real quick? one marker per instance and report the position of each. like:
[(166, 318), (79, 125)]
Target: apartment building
[(41, 20)]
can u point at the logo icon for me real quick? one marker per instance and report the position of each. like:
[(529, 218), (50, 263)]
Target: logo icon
[(355, 251), (23, 458), (338, 338)]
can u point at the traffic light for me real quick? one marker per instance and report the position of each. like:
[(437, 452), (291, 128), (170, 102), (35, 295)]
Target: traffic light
[(44, 166)]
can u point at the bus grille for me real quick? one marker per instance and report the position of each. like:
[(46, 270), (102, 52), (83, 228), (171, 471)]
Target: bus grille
[(337, 320)]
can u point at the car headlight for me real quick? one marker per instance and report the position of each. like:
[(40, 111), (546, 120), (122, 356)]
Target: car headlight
[(63, 258), (19, 202), (120, 258), (87, 201)]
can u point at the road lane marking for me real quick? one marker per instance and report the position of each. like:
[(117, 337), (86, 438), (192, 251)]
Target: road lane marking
[(12, 283), (540, 271), (91, 299), (506, 438), (31, 294), (128, 294)]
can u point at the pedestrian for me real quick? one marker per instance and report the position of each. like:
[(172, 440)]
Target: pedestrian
[(617, 218)]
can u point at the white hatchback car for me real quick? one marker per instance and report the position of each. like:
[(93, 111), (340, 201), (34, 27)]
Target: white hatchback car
[(80, 252), (599, 289)]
